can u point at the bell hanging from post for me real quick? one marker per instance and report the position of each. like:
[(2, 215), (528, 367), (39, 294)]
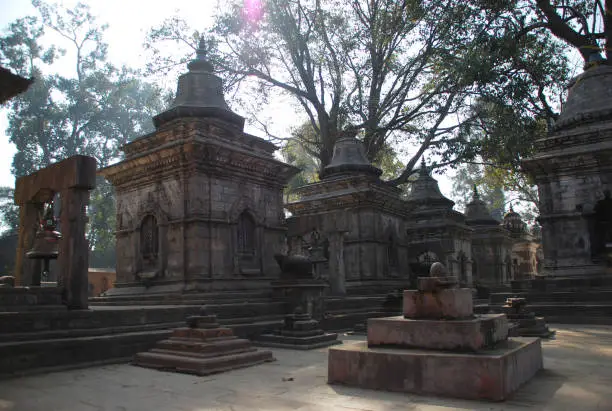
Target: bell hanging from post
[(46, 243)]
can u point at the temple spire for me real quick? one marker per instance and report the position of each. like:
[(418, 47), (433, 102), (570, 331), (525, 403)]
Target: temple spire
[(349, 157), (423, 170), (199, 93), (476, 195), (201, 63)]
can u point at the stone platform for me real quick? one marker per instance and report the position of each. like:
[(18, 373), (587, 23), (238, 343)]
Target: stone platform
[(491, 374), (22, 299), (203, 348)]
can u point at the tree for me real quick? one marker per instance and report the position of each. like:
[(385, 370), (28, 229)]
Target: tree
[(298, 152), (490, 191), (410, 71), (93, 112), (584, 25)]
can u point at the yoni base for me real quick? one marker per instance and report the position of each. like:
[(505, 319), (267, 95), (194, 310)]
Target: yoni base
[(461, 335), (491, 374)]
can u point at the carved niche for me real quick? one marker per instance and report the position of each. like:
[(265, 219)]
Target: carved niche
[(149, 242)]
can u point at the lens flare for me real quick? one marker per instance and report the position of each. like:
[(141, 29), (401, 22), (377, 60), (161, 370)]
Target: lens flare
[(253, 11)]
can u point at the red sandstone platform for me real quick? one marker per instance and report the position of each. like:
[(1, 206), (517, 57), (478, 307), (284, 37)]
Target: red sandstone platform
[(491, 374), (467, 334)]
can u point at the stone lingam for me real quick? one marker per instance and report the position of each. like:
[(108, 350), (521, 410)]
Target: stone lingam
[(523, 322), (202, 348), (438, 347)]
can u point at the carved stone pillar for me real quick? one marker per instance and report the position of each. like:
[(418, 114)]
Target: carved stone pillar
[(73, 260)]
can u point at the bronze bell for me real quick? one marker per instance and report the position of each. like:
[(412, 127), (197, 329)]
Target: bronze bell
[(46, 242)]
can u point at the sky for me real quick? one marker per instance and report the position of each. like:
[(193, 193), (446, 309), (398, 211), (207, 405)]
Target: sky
[(128, 22)]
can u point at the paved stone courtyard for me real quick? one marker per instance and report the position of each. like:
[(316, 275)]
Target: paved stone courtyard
[(578, 376)]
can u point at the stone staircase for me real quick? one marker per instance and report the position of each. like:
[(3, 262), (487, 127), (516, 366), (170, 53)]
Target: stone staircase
[(39, 341), (564, 302), (114, 329), (248, 313), (344, 313)]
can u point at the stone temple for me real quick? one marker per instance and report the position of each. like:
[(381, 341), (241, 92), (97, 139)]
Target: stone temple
[(573, 170), (201, 222), (199, 201)]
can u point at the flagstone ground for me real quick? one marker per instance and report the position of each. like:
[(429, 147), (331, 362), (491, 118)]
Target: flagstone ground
[(577, 377)]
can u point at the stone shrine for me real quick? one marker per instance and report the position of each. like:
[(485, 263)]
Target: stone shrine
[(438, 347), (199, 201), (360, 218), (524, 323), (491, 245), (435, 231), (203, 348), (526, 248), (573, 170)]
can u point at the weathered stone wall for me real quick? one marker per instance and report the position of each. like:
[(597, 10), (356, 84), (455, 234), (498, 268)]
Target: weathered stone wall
[(491, 253)]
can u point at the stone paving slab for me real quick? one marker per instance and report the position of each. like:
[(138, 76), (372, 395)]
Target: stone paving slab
[(578, 376)]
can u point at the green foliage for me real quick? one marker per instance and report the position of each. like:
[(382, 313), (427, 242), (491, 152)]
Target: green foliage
[(498, 188), (92, 112), (435, 75), (490, 191)]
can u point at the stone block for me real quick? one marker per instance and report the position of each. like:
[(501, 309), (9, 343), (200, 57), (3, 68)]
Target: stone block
[(491, 374), (471, 334), (449, 303)]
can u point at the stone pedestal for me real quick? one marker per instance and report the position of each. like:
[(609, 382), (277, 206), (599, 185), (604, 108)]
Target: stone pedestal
[(438, 347), (300, 332), (305, 294), (523, 322), (450, 303), (203, 348)]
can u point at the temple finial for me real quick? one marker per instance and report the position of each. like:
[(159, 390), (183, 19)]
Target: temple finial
[(200, 63), (476, 194), (423, 171), (202, 49)]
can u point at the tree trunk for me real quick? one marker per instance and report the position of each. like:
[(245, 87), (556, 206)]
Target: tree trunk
[(608, 28)]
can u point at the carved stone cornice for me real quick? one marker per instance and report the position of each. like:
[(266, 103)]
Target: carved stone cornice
[(196, 155)]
